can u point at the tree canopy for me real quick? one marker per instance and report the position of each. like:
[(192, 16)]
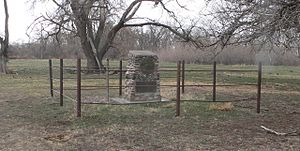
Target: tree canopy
[(257, 21), (228, 22), (96, 22)]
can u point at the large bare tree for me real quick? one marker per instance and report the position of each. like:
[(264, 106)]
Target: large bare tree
[(4, 41), (96, 23)]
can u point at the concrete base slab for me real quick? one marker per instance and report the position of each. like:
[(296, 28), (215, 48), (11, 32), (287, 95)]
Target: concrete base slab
[(120, 101)]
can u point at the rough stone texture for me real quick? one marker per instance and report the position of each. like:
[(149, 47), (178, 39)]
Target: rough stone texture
[(142, 77)]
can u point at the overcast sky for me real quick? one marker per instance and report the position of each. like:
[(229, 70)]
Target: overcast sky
[(21, 16)]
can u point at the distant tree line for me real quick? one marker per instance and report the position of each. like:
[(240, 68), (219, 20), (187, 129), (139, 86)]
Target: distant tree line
[(68, 46), (159, 40)]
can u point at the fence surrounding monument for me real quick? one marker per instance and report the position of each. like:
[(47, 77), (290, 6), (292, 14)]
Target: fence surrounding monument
[(118, 74)]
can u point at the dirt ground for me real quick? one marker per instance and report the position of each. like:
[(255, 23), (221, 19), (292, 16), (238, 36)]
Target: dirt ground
[(34, 123)]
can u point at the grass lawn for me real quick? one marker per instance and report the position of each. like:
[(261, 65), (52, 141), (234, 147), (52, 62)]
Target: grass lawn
[(32, 120)]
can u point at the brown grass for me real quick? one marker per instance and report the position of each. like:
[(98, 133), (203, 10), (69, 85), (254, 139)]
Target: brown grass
[(227, 106)]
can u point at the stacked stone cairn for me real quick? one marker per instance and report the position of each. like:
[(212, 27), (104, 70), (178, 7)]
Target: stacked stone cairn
[(142, 81)]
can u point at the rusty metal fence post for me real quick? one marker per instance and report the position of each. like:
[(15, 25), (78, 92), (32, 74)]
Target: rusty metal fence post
[(78, 87), (214, 80), (178, 89), (120, 78), (61, 81), (107, 80), (183, 76), (259, 87), (51, 77)]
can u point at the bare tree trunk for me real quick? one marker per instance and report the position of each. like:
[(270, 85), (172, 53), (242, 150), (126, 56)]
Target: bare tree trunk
[(4, 44), (2, 62), (298, 50), (88, 52), (81, 24), (108, 42), (3, 65), (91, 60)]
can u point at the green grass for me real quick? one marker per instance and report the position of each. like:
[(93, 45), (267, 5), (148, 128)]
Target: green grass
[(29, 114)]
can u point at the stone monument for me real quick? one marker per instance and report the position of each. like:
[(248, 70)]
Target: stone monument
[(142, 81)]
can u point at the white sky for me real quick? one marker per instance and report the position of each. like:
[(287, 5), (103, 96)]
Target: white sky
[(21, 15)]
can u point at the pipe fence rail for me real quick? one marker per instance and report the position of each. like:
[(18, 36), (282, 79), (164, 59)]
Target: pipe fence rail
[(117, 74)]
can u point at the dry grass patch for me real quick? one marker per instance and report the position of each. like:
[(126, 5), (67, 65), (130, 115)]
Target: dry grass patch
[(227, 106), (168, 105), (58, 137)]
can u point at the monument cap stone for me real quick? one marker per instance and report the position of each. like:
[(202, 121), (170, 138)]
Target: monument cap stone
[(142, 53)]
